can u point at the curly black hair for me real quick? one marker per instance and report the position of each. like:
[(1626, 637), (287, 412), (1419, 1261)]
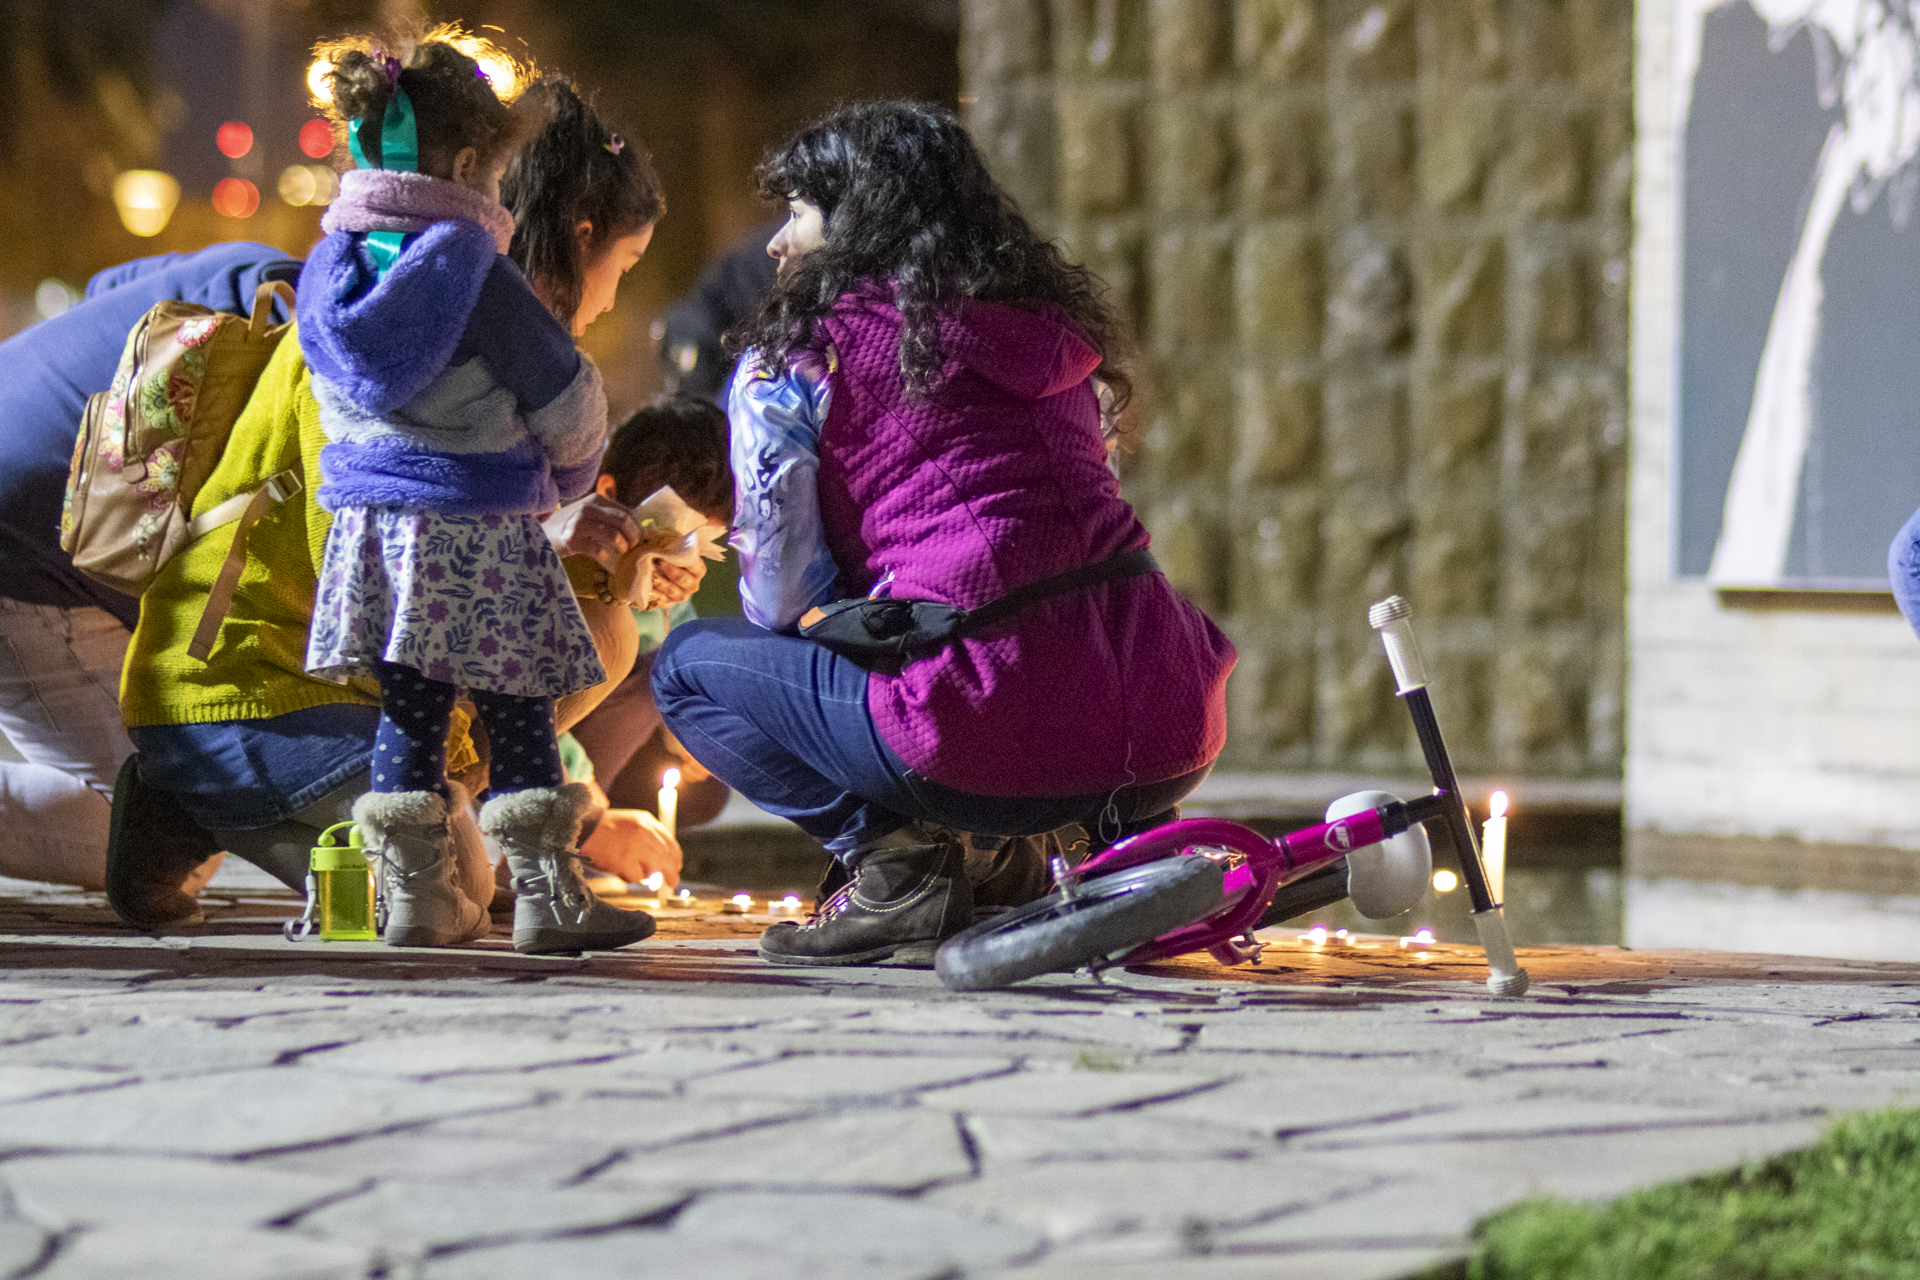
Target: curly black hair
[(908, 202), (579, 168), (453, 101)]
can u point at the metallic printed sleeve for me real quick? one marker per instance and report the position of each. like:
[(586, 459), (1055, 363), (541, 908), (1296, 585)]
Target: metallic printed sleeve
[(785, 568)]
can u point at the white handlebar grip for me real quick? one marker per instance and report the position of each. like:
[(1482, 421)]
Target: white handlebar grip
[(1393, 619)]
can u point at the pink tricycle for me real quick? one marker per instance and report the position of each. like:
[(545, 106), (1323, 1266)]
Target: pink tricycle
[(1204, 884)]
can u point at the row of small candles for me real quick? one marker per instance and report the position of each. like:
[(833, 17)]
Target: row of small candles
[(739, 904)]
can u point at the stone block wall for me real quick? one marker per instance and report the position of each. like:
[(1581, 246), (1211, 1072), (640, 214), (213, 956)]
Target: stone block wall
[(1376, 255)]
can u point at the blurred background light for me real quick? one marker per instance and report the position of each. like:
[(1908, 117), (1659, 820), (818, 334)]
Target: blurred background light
[(316, 139), (52, 298), (235, 197), (297, 186), (145, 199), (326, 184), (499, 66), (317, 81), (234, 138)]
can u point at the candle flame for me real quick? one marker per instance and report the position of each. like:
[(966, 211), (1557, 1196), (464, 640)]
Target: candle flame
[(1317, 935), (655, 880), (1423, 936), (670, 779), (1497, 804), (744, 899)]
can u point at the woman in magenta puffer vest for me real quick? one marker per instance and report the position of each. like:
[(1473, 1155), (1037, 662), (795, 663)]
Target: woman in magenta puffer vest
[(918, 416)]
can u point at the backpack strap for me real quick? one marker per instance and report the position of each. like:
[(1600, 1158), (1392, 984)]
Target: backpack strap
[(247, 508), (262, 318)]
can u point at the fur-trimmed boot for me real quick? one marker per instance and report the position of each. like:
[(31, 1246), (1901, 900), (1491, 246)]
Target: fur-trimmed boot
[(554, 912), (410, 832)]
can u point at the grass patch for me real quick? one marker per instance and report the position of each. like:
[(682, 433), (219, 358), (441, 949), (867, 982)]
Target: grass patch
[(1845, 1209), (1099, 1060)]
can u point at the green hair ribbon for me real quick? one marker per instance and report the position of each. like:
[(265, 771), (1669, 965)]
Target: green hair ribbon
[(398, 138)]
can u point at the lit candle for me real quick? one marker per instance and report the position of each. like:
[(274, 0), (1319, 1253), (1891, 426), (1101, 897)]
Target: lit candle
[(738, 905), (653, 882), (787, 906), (1493, 845), (670, 800)]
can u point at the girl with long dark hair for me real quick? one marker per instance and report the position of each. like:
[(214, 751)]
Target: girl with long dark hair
[(918, 418)]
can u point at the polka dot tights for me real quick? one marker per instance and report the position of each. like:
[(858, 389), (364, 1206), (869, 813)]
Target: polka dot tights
[(410, 749)]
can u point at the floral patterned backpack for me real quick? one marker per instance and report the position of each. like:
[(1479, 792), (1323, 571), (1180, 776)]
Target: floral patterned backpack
[(149, 442)]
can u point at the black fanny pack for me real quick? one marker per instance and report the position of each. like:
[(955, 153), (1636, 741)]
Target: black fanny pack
[(884, 634)]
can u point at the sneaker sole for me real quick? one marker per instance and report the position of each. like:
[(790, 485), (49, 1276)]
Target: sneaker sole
[(906, 955)]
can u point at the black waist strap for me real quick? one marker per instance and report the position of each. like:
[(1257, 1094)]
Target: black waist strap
[(884, 633), (1132, 564)]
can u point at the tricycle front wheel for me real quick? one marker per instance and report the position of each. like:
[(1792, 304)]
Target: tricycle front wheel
[(1106, 916)]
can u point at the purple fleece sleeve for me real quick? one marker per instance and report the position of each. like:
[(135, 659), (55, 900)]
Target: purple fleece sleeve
[(527, 351)]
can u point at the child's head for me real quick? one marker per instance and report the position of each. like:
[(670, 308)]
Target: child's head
[(464, 131), (584, 198), (907, 200), (679, 440)]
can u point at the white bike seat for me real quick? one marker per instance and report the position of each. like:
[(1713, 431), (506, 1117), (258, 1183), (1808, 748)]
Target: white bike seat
[(1384, 879)]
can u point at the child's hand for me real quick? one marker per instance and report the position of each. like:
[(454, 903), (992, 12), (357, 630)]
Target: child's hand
[(672, 584), (592, 526)]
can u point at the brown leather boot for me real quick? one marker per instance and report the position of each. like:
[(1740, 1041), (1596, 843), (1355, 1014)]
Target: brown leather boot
[(908, 894), (152, 847), (1012, 875)]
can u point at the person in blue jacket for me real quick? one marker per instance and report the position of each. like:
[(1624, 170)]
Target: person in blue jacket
[(63, 637)]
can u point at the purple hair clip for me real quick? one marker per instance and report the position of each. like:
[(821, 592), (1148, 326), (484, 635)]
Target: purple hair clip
[(390, 65), (615, 144)]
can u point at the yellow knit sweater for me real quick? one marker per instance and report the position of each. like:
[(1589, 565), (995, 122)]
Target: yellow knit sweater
[(258, 666)]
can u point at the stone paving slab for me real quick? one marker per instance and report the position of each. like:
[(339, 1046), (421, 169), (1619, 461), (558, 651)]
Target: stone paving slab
[(680, 1108)]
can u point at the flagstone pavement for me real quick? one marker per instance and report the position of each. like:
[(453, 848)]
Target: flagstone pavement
[(230, 1104)]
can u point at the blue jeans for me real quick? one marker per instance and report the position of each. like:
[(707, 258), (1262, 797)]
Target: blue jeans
[(247, 775), (785, 723)]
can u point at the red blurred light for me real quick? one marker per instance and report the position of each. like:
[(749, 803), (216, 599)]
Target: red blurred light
[(234, 139), (316, 139), (235, 197)]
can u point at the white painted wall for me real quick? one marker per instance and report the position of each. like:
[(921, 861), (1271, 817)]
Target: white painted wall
[(1740, 722)]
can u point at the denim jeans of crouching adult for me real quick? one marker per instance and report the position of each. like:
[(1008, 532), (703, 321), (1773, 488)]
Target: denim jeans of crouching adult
[(785, 723), (265, 789)]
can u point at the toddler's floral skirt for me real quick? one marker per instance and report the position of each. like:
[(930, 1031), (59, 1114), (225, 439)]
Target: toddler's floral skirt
[(479, 601)]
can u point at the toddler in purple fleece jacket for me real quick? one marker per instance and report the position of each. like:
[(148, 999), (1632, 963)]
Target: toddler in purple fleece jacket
[(458, 413)]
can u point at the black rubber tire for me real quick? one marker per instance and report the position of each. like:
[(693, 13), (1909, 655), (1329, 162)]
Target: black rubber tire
[(1109, 915)]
